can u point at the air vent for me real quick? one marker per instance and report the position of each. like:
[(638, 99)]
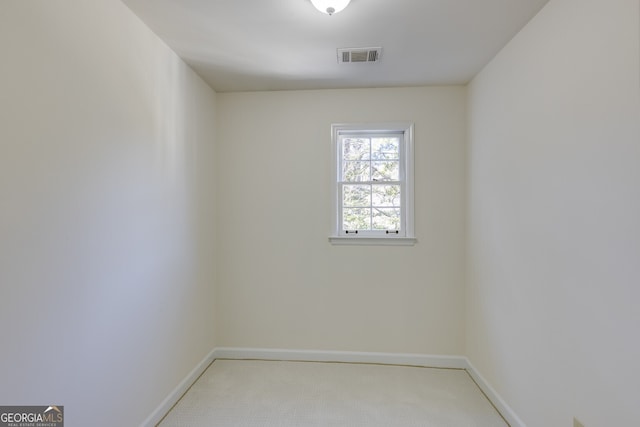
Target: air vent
[(359, 54)]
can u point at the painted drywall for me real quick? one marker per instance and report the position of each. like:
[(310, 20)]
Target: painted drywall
[(281, 284), (554, 217), (107, 212)]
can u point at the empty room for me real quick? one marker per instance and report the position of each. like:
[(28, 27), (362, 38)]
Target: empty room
[(320, 213)]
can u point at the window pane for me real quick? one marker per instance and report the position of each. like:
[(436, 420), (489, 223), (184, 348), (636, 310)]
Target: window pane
[(356, 219), (356, 149), (386, 219), (356, 195), (386, 195), (356, 171), (385, 148), (385, 171)]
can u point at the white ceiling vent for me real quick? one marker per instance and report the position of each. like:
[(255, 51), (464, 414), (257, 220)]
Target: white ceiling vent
[(359, 54)]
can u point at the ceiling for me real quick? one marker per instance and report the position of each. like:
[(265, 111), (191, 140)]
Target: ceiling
[(247, 45)]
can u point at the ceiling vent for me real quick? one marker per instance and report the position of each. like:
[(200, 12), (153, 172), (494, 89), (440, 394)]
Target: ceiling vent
[(359, 54)]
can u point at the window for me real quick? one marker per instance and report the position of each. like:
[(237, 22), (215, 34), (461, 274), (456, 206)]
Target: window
[(373, 184)]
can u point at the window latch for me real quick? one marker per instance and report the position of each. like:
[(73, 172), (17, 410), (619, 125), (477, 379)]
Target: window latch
[(352, 231), (392, 231)]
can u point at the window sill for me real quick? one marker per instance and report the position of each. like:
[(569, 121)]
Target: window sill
[(373, 241)]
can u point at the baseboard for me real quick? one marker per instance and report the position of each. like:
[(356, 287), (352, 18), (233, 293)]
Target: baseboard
[(431, 361), (505, 410), (452, 362), (177, 392)]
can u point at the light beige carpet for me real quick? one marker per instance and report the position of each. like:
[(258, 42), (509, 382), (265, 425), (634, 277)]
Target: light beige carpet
[(244, 393)]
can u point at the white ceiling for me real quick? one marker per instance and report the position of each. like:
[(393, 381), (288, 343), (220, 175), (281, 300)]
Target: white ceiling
[(240, 45)]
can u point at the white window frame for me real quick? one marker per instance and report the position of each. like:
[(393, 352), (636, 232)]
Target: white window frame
[(406, 234)]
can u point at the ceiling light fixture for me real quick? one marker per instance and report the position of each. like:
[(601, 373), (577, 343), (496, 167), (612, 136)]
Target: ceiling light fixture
[(330, 6)]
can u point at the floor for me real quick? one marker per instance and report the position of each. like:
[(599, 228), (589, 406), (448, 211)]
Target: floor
[(248, 393)]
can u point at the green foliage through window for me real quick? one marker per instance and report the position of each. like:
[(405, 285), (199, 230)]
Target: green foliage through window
[(370, 183)]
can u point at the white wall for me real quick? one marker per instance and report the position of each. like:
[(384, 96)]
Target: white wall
[(281, 284), (106, 219), (554, 217)]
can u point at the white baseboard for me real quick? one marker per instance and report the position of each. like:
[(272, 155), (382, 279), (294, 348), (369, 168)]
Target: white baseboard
[(505, 410), (432, 361), (177, 392), (453, 362)]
